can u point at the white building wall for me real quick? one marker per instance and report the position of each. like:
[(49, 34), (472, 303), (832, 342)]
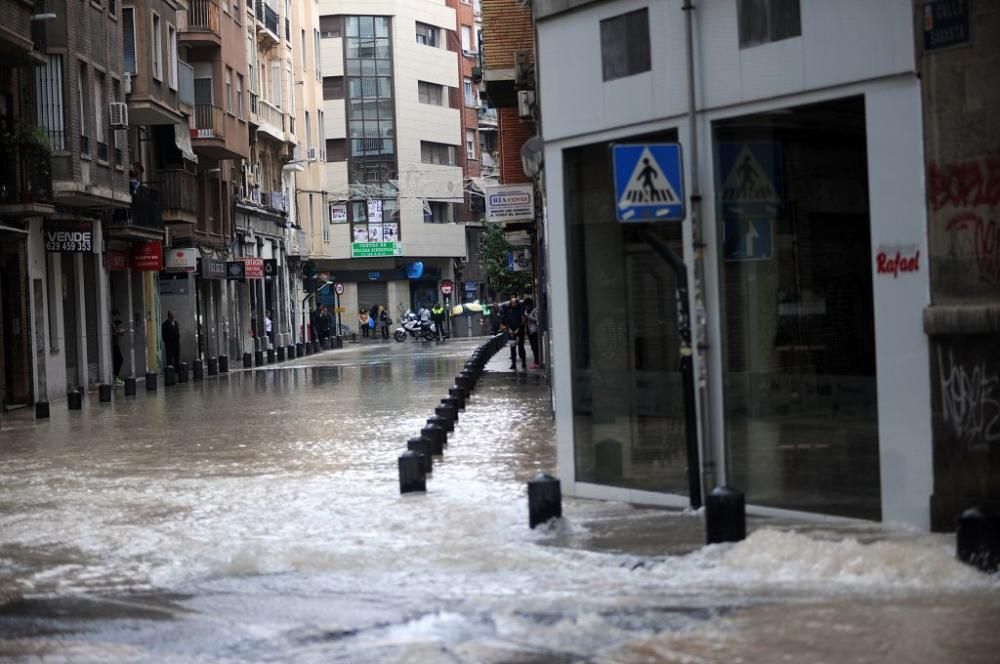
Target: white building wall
[(847, 48)]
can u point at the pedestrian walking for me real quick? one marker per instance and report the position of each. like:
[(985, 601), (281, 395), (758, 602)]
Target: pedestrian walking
[(512, 319), (268, 332), (363, 319), (384, 321), (323, 324), (117, 332), (531, 323), (170, 332), (437, 315)]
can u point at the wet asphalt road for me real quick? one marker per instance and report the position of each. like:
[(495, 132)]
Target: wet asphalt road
[(256, 517)]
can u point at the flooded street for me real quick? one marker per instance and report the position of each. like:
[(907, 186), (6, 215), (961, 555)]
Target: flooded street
[(257, 517)]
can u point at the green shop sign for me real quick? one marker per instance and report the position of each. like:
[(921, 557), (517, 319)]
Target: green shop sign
[(376, 249)]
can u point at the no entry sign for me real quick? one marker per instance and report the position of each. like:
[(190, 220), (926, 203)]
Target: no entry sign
[(446, 287)]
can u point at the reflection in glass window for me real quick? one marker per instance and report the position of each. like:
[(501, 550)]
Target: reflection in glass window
[(799, 349), (628, 407)]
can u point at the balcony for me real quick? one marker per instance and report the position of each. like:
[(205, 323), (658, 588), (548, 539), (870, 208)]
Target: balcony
[(178, 196), (199, 25), (142, 219), (25, 174), (267, 25), (271, 120), (209, 122)]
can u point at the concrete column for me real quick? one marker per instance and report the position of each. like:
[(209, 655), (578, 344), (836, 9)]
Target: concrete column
[(104, 305)]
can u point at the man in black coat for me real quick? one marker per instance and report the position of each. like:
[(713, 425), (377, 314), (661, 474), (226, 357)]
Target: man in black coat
[(512, 318), (170, 332)]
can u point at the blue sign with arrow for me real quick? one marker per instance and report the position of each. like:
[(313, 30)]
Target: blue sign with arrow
[(747, 239), (649, 182)]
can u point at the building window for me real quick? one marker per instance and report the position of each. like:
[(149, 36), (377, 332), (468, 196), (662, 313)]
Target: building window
[(100, 129), (470, 94), (333, 87), (171, 57), (427, 34), (82, 86), (765, 21), (229, 89), (49, 86), (239, 96), (317, 60), (128, 39), (437, 212), (470, 143), (467, 39), (304, 52), (331, 26), (116, 95), (321, 133), (156, 44), (430, 93), (625, 45), (309, 136), (336, 149), (438, 153)]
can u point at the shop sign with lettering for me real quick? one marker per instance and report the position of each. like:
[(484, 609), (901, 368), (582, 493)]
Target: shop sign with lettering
[(510, 202), (213, 268), (181, 260), (254, 268), (147, 256), (376, 249), (895, 260), (117, 260), (270, 267), (69, 237)]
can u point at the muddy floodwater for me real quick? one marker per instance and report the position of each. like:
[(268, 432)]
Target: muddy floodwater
[(257, 517)]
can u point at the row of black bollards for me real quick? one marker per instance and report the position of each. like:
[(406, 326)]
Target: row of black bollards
[(416, 463)]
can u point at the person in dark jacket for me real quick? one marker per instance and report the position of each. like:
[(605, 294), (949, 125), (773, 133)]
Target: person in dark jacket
[(170, 332), (512, 319)]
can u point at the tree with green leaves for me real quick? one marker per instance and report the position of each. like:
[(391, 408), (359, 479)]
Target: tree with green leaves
[(493, 251)]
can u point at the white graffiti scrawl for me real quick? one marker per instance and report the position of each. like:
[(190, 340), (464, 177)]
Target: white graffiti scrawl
[(969, 405)]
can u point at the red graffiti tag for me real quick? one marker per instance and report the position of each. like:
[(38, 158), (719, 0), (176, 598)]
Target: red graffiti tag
[(987, 242), (964, 184)]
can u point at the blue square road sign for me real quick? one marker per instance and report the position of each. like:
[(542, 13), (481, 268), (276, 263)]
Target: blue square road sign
[(649, 182)]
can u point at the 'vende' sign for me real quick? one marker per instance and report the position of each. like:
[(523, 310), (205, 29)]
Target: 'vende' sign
[(69, 237)]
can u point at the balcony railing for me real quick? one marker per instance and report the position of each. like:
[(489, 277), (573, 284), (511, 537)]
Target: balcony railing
[(271, 114), (185, 83), (271, 19), (25, 175), (178, 190), (209, 122), (144, 212), (203, 16)]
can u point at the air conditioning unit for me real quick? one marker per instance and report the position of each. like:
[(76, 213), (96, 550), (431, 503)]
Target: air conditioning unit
[(119, 115), (312, 154), (525, 104), (127, 82)]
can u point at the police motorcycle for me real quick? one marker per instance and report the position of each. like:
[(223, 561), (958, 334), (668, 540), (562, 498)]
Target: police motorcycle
[(411, 326)]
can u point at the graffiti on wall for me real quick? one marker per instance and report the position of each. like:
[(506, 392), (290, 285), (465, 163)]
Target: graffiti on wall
[(970, 404), (966, 196)]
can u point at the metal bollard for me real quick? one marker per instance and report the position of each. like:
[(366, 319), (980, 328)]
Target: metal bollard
[(442, 423), (223, 364), (458, 395), (422, 446), (315, 346), (340, 341), (197, 370), (544, 499), (411, 472), (457, 391), (270, 356), (325, 343), (130, 387), (213, 366), (725, 516), (437, 437), (150, 381), (464, 382), (299, 350), (446, 414), (169, 376), (290, 352), (281, 353), (105, 393), (258, 358), (247, 361), (448, 410), (977, 539), (453, 402), (41, 410), (74, 400), (182, 372)]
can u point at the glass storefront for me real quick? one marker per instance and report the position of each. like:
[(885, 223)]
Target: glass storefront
[(628, 407), (797, 316)]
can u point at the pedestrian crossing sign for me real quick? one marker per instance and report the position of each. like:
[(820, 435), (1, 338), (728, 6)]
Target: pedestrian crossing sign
[(649, 184)]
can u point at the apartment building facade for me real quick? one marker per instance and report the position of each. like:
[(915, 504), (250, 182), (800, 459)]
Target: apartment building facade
[(393, 132)]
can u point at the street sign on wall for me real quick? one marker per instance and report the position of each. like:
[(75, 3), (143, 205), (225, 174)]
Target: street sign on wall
[(511, 202), (376, 249), (253, 267), (649, 183), (147, 256), (69, 237), (181, 260)]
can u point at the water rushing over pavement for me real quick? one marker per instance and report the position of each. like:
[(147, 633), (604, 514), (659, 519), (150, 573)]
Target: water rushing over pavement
[(257, 517)]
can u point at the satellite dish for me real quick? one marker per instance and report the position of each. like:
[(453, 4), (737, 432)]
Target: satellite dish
[(532, 156)]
